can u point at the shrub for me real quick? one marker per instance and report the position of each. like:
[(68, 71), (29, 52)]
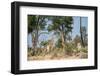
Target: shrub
[(69, 48), (85, 50)]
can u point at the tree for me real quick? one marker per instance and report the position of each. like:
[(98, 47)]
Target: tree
[(77, 39), (84, 35), (61, 26), (82, 41), (36, 23), (31, 23)]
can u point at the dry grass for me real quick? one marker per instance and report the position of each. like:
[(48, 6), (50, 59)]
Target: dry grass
[(58, 56)]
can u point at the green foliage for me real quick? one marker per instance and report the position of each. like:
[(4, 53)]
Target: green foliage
[(36, 22), (31, 23), (69, 47), (58, 23), (61, 23), (44, 43), (84, 49)]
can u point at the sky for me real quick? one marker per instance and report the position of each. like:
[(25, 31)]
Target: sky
[(76, 25), (75, 30)]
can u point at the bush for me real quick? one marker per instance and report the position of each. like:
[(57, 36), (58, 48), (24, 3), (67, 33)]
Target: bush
[(85, 50), (69, 48)]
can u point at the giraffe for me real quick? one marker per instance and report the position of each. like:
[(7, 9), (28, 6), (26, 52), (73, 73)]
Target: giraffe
[(50, 46)]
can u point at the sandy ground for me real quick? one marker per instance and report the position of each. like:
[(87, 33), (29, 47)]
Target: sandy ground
[(59, 57)]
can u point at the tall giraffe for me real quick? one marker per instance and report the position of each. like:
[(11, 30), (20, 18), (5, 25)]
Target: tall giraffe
[(50, 45)]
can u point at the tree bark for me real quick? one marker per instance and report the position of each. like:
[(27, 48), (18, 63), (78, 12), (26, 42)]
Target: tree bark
[(81, 33), (63, 42)]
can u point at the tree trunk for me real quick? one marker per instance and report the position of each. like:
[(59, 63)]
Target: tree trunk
[(63, 42), (36, 35), (81, 33), (33, 44)]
